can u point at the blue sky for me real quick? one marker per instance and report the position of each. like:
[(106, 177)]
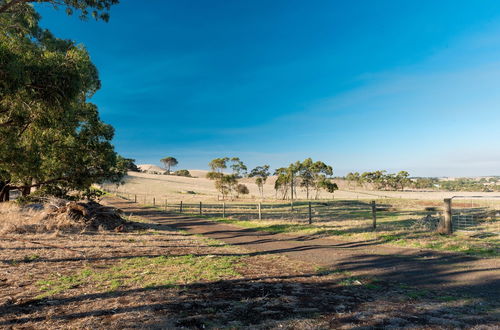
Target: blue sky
[(361, 85)]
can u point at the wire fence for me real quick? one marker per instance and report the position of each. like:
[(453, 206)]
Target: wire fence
[(359, 214)]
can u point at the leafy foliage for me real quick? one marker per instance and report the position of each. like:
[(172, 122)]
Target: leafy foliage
[(50, 133), (183, 173), (98, 9), (218, 164), (380, 180), (169, 162), (239, 169), (225, 183), (242, 189), (308, 174), (130, 165)]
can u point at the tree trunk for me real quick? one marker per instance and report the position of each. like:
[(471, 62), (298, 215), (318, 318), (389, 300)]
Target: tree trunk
[(5, 194), (26, 191), (4, 191)]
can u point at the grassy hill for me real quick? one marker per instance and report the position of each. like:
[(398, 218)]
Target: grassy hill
[(199, 188)]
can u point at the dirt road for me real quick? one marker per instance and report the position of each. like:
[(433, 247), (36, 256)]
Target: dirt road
[(451, 272)]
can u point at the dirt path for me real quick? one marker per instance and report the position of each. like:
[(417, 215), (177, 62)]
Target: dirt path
[(426, 269)]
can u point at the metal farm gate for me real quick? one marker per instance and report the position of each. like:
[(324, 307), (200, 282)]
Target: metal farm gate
[(468, 217)]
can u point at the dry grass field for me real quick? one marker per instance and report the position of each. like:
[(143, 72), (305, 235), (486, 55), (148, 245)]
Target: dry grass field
[(348, 216), (157, 277), (199, 188)]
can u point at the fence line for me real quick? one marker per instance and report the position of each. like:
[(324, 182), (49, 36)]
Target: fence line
[(317, 212)]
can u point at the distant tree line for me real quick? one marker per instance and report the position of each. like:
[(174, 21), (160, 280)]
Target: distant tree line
[(458, 184), (379, 180), (313, 177)]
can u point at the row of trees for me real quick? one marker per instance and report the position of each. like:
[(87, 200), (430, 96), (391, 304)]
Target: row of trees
[(459, 184), (309, 175), (379, 180), (51, 136)]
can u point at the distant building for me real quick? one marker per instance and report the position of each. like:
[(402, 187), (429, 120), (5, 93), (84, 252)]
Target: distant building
[(151, 169)]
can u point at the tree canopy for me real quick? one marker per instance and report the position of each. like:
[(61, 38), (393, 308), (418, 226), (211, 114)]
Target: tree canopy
[(307, 174), (260, 173), (226, 183), (51, 134), (239, 169), (98, 9), (169, 162)]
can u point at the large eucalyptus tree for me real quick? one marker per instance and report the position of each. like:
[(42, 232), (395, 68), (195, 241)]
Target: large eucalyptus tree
[(50, 134)]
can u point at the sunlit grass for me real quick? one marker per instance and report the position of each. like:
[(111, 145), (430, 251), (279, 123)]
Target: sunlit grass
[(391, 229), (145, 272)]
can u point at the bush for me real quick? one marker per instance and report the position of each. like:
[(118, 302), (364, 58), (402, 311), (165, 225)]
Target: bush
[(183, 173), (242, 189)]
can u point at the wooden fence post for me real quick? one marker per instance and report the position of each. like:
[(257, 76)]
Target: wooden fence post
[(260, 211), (135, 198), (180, 208), (166, 205), (291, 205), (446, 226), (201, 209), (223, 210), (154, 201), (374, 214), (310, 213)]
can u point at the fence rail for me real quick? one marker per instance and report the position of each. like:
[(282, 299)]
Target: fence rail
[(363, 213)]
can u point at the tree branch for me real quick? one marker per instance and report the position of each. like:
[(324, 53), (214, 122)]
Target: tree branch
[(38, 184)]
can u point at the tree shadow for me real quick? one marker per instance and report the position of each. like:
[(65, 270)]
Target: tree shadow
[(262, 301)]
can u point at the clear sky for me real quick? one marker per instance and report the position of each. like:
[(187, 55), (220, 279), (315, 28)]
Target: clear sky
[(361, 85)]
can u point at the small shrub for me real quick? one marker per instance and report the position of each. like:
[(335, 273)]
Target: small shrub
[(183, 173), (242, 189)]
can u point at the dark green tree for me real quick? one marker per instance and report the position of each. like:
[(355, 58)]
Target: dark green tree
[(50, 134), (242, 189), (98, 9)]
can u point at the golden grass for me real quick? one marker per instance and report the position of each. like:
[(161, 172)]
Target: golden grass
[(193, 190), (35, 219)]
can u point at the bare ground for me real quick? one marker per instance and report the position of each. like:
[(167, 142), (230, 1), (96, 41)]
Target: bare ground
[(269, 281)]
